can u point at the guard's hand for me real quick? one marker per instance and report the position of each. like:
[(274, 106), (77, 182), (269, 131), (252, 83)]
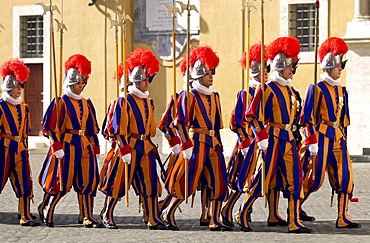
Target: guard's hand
[(127, 158), (188, 152), (263, 144), (313, 148), (59, 153), (244, 151), (175, 149)]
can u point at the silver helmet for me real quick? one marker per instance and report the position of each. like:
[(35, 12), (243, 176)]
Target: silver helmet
[(331, 61), (255, 69), (73, 77), (281, 61), (139, 74), (10, 82), (199, 70)]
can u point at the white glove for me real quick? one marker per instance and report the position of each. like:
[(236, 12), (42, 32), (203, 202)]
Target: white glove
[(176, 149), (127, 158), (244, 151), (263, 144), (313, 148), (188, 152), (59, 153)]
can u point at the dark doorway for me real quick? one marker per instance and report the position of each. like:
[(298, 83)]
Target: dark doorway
[(33, 95)]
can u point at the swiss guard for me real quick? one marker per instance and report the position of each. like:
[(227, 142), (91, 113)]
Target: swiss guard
[(15, 125), (326, 131)]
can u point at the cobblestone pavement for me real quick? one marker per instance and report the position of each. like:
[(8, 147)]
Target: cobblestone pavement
[(132, 229)]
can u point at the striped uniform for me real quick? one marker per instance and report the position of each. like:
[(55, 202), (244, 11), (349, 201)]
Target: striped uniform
[(332, 116), (169, 132), (14, 157), (237, 162), (114, 129), (207, 164), (138, 125), (281, 157), (75, 133), (240, 126)]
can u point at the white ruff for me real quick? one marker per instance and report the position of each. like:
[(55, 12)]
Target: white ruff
[(135, 91), (282, 81), (202, 89), (69, 93), (11, 100), (254, 83), (325, 76)]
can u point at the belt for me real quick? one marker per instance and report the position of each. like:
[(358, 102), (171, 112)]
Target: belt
[(211, 133), (287, 127), (140, 136), (77, 132), (330, 123), (15, 138)]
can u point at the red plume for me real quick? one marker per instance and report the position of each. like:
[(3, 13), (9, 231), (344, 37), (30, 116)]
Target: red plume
[(183, 64), (243, 60), (120, 71), (206, 55), (80, 62), (288, 45), (16, 67), (145, 59), (334, 45), (254, 55)]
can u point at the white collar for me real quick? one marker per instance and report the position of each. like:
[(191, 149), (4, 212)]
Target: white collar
[(202, 89), (325, 76), (135, 91), (280, 80), (254, 83), (11, 100), (69, 93)]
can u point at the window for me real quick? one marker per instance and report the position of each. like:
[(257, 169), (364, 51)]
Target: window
[(306, 16), (302, 25), (31, 36)]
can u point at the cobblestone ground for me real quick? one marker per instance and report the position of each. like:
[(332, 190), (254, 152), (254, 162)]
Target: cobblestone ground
[(132, 229)]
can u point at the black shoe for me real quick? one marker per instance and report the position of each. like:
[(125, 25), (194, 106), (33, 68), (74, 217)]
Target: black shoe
[(351, 226), (31, 223), (93, 225), (203, 223), (304, 217), (50, 225), (226, 221), (244, 229), (249, 214), (109, 225), (159, 226), (145, 222), (42, 218), (301, 231), (80, 221), (278, 223), (33, 217), (220, 228), (171, 227)]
